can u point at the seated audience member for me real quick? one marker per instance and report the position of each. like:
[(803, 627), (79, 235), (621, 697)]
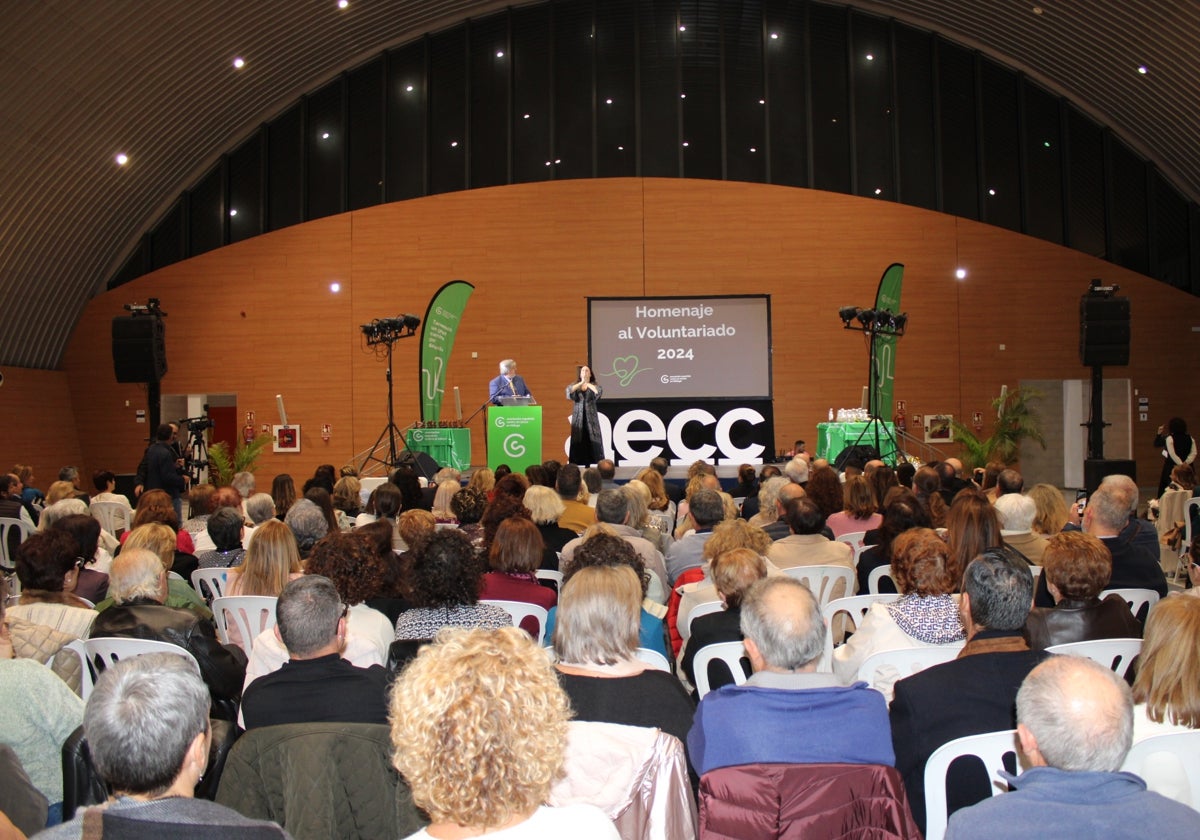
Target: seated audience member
[(1051, 510), (500, 509), (23, 808), (148, 733), (972, 527), (797, 470), (243, 482), (612, 509), (700, 477), (773, 498), (283, 491), (825, 489), (259, 508), (468, 506), (747, 483), (882, 480), (271, 562), (138, 586), (60, 490), (926, 487), (1009, 481), (732, 574), (309, 525), (604, 549), (222, 497), (905, 472), (511, 484), (705, 510), (649, 524), (951, 481), (156, 506), (807, 545), (592, 485), (200, 507), (92, 582), (320, 497), (1167, 689), (515, 554), (925, 615), (48, 567), (596, 639), (160, 540), (105, 482), (1077, 567), (1132, 542), (37, 714), (1075, 726), (12, 505), (901, 512), (347, 500), (391, 596), (496, 692), (483, 480), (859, 509), (446, 578), (225, 531), (442, 511), (975, 692), (545, 509), (826, 723), (577, 516), (64, 508), (354, 566), (1016, 514), (315, 685), (728, 535), (661, 507), (674, 492)]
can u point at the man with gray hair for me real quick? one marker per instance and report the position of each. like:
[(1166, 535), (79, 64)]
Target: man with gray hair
[(315, 685), (1110, 514), (507, 384), (975, 692), (823, 722), (1016, 513), (148, 734), (137, 583), (1075, 725), (706, 509), (773, 497), (612, 509)]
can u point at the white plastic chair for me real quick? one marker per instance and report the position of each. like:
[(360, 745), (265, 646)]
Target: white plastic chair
[(551, 575), (707, 608), (990, 747), (822, 580), (1190, 508), (853, 538), (731, 653), (1117, 654), (1136, 599), (519, 610), (1184, 749), (8, 563), (113, 517), (653, 658), (878, 574), (907, 661), (252, 614), (856, 607), (212, 579), (97, 654)]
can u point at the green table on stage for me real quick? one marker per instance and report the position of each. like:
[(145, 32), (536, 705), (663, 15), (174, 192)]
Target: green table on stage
[(832, 438), (449, 447), (514, 436)]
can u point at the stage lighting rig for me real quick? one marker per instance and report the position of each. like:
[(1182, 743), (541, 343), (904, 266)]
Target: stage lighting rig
[(390, 330), (875, 322)]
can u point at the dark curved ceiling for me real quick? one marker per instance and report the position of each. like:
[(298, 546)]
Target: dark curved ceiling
[(84, 80)]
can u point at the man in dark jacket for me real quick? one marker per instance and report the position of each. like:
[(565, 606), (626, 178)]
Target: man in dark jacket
[(315, 685), (137, 584), (974, 693), (160, 467)]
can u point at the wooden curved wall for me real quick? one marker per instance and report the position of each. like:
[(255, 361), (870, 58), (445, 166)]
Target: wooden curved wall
[(258, 318)]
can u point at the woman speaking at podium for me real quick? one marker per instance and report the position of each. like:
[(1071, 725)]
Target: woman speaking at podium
[(587, 445)]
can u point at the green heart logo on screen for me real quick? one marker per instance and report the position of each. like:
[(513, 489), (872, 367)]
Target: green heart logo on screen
[(625, 368)]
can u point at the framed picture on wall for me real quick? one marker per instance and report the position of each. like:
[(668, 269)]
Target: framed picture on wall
[(287, 438), (937, 428)]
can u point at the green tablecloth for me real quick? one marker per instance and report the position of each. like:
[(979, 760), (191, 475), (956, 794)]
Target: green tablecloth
[(449, 447), (832, 438)]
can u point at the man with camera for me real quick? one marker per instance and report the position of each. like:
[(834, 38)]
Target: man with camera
[(161, 467)]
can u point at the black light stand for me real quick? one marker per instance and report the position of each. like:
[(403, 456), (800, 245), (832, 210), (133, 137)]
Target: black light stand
[(875, 323), (386, 332)]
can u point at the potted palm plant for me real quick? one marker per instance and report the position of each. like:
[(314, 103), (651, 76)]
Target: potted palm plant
[(1017, 420)]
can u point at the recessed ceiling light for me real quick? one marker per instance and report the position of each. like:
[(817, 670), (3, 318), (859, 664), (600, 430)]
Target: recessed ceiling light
[(620, 148), (547, 163), (762, 102), (683, 96), (753, 149), (774, 36), (1046, 144), (324, 135), (335, 287), (1143, 69), (870, 57), (525, 117), (878, 191), (558, 160), (121, 159), (607, 101), (232, 211), (499, 53), (342, 4), (685, 144), (408, 88), (683, 29), (960, 273), (239, 62), (453, 144), (991, 192)]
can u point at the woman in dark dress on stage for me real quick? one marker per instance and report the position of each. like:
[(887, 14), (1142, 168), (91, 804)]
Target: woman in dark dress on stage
[(587, 446)]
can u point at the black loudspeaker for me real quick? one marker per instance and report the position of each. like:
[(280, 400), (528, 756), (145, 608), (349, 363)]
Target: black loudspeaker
[(1097, 469), (139, 349), (1103, 331), (856, 456), (421, 462)]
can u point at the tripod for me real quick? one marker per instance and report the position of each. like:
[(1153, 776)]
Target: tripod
[(876, 425), (391, 432)]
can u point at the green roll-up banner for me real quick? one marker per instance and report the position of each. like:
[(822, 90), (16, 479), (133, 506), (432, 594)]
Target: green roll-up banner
[(888, 297), (514, 436), (437, 340)]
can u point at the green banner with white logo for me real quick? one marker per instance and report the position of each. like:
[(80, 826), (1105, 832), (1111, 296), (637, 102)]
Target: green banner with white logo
[(437, 340), (514, 436), (888, 297)]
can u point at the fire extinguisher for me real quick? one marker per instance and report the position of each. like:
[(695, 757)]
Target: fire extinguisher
[(248, 433), (901, 421)]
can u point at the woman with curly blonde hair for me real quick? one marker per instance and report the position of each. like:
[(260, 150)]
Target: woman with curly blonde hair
[(479, 726)]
